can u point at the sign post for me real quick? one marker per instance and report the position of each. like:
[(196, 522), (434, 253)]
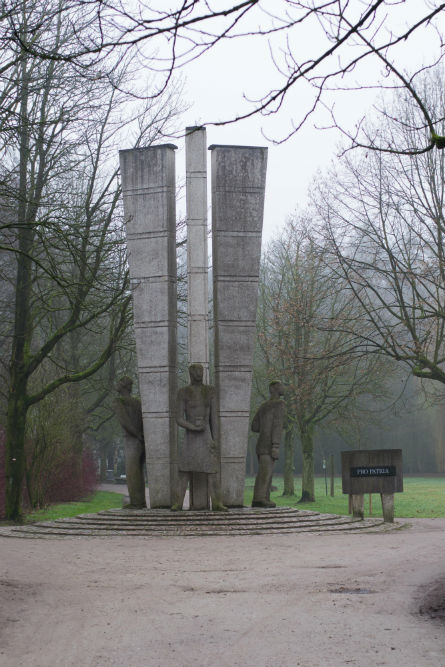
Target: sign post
[(372, 471), (331, 470)]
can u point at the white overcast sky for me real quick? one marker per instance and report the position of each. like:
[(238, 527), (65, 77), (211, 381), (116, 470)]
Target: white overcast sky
[(216, 83)]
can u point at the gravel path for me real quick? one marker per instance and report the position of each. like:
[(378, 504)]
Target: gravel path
[(304, 600)]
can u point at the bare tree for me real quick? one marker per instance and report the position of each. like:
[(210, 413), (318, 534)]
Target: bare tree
[(383, 217), (62, 192), (355, 45), (298, 293)]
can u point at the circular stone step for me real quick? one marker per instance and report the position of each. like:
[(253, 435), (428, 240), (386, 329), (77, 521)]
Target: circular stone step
[(155, 523)]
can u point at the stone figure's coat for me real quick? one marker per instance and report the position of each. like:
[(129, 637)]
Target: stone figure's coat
[(129, 413), (268, 422), (198, 451)]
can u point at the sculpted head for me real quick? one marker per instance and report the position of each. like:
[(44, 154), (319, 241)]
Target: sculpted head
[(196, 373), (276, 389), (124, 385)]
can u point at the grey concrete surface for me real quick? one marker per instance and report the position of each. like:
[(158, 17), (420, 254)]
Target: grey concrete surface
[(197, 250), (238, 184), (197, 274), (148, 184)]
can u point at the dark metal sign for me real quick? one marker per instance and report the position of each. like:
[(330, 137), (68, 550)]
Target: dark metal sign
[(373, 471)]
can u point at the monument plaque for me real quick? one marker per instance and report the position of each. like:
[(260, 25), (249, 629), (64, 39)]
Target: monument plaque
[(372, 471)]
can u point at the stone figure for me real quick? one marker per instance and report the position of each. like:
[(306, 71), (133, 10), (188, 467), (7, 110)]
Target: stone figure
[(268, 422), (196, 412), (129, 413)]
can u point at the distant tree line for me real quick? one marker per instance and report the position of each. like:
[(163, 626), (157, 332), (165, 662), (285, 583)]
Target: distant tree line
[(352, 298)]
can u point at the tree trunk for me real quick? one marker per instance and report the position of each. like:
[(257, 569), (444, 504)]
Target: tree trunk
[(17, 398), (288, 473), (15, 448), (307, 443), (439, 440), (103, 462)]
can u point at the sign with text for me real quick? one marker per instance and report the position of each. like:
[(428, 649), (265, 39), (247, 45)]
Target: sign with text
[(372, 471)]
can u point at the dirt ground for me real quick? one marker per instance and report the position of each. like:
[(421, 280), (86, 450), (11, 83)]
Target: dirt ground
[(302, 600)]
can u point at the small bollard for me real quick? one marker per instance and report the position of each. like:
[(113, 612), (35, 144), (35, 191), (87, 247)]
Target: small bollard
[(388, 507), (358, 506)]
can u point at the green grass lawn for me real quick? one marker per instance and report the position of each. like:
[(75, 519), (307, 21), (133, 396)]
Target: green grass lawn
[(100, 500), (422, 497)]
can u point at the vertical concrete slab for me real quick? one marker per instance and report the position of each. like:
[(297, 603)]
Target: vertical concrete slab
[(148, 184), (197, 274), (238, 184), (197, 250)]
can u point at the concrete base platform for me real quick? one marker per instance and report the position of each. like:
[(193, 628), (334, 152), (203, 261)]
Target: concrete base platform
[(150, 523)]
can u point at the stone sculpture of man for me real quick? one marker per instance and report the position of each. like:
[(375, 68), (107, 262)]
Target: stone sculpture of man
[(268, 422), (196, 413), (129, 413)]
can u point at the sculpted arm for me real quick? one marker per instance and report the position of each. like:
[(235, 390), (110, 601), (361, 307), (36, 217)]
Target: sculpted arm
[(129, 417), (180, 414), (140, 422), (277, 429), (213, 417), (256, 423)]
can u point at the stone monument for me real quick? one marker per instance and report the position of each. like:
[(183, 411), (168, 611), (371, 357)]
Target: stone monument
[(129, 413), (268, 422), (149, 189), (238, 183), (196, 412), (197, 277)]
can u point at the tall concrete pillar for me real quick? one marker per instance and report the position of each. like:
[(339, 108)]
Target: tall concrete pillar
[(238, 183), (197, 251), (197, 273), (148, 184)]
